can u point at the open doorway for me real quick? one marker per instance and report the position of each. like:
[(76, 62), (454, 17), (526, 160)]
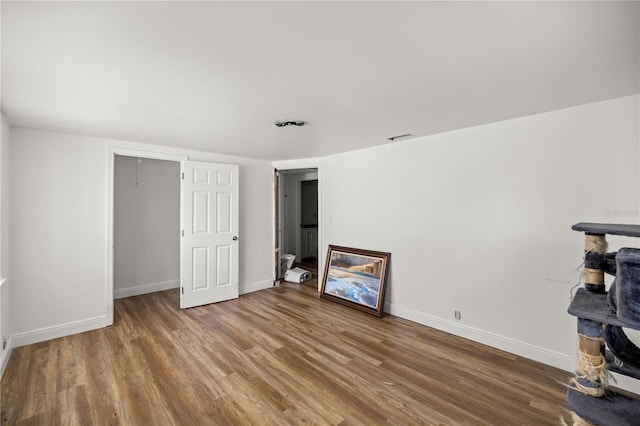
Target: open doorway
[(297, 218), (146, 225)]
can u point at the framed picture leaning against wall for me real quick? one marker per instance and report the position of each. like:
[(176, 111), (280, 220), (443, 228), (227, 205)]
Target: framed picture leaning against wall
[(356, 278)]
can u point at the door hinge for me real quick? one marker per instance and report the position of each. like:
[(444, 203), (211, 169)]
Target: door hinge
[(182, 290), (182, 232)]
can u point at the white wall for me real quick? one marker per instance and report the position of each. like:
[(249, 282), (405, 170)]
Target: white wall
[(146, 225), (5, 293), (479, 220), (59, 211)]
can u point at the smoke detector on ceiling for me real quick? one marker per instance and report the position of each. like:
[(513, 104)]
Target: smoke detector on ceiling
[(289, 123)]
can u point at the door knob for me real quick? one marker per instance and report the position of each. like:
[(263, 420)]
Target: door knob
[(235, 238)]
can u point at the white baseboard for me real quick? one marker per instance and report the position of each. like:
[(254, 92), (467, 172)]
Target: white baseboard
[(517, 347), (144, 289), (260, 285), (6, 354), (48, 333), (626, 383), (167, 285)]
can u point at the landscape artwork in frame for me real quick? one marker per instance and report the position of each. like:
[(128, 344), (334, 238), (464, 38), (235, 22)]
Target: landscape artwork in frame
[(356, 278)]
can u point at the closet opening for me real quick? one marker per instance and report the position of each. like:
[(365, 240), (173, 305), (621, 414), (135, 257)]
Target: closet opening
[(146, 225)]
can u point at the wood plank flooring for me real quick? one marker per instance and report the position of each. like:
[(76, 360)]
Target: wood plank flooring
[(277, 356)]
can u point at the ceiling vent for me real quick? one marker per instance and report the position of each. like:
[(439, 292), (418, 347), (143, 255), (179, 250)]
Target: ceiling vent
[(289, 123), (393, 138)]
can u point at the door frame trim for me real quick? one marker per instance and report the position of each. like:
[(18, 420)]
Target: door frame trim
[(276, 227), (111, 157), (309, 163)]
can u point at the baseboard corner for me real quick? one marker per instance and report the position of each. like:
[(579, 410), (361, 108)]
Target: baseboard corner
[(250, 288), (144, 289), (6, 354), (61, 330)]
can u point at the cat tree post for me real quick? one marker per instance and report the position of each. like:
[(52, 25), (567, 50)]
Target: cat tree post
[(591, 371), (595, 249)]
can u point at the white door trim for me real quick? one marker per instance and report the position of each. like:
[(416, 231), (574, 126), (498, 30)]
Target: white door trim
[(310, 163), (111, 156)]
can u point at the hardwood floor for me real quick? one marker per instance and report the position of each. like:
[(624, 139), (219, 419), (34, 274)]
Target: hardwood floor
[(278, 356)]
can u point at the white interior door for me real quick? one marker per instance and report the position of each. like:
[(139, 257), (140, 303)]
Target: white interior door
[(209, 244)]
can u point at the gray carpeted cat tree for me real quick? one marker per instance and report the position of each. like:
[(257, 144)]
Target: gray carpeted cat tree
[(603, 344)]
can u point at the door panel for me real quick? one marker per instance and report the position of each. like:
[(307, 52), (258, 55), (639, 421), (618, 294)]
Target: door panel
[(200, 212), (224, 257), (209, 263), (224, 212), (200, 265), (309, 242)]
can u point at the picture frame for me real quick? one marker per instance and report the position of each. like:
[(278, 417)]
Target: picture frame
[(356, 278)]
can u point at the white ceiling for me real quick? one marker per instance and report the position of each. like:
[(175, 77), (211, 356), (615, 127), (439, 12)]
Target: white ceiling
[(215, 76)]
